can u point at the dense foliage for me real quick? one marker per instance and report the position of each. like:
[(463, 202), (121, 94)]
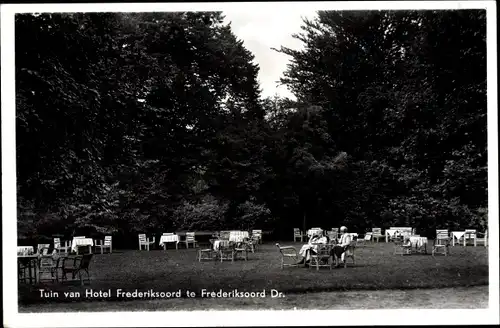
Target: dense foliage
[(154, 122)]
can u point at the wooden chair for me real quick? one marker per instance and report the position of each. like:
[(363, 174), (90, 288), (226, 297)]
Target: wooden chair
[(441, 243), (226, 250), (78, 265), (322, 257), (482, 238), (47, 265), (43, 249), (145, 242), (106, 243), (206, 253), (59, 247), (402, 246), (376, 234), (258, 235), (297, 234), (288, 254), (362, 240), (190, 239), (241, 251), (470, 235)]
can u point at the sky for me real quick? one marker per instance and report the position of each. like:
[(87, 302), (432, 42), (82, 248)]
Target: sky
[(262, 30)]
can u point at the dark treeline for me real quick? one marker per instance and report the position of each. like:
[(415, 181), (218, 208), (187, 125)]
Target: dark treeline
[(153, 122)]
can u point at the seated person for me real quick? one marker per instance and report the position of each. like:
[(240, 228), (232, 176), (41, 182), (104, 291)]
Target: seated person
[(306, 250), (338, 251)]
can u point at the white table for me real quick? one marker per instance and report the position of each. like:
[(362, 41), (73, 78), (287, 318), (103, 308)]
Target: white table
[(169, 239), (82, 242), (25, 250), (238, 236), (457, 235), (314, 231), (389, 233)]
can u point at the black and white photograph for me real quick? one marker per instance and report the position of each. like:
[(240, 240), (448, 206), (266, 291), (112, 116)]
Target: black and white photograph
[(197, 164)]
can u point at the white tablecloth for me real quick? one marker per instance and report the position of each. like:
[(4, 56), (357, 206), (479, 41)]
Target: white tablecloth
[(238, 236), (81, 242), (456, 235), (169, 239), (312, 232), (24, 250)]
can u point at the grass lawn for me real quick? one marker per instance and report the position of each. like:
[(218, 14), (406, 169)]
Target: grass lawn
[(376, 269)]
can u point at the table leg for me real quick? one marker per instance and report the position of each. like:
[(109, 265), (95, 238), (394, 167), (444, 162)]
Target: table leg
[(452, 240), (90, 249)]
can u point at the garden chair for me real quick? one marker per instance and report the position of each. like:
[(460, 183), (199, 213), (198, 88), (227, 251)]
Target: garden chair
[(258, 235), (47, 266), (78, 265), (322, 257), (146, 242), (349, 253), (226, 250), (207, 253), (402, 246), (470, 235), (361, 242), (482, 238), (106, 243), (43, 249), (333, 234), (190, 239), (441, 243), (376, 234), (59, 247), (288, 254), (297, 234), (241, 251)]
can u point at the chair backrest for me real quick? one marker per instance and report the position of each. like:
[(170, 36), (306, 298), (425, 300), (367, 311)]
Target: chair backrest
[(79, 237), (107, 240), (46, 262), (189, 236), (377, 231), (296, 232), (57, 242), (43, 249), (257, 232), (168, 234), (226, 245), (470, 233), (368, 236), (323, 249), (142, 237), (442, 234)]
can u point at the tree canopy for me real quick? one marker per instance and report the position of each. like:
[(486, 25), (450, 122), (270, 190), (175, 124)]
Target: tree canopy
[(151, 122)]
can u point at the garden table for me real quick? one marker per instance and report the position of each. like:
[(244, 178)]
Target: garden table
[(169, 239), (82, 242), (456, 235), (390, 234), (238, 236)]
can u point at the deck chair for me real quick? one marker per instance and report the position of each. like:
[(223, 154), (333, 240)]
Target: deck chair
[(145, 242), (297, 234), (322, 257), (77, 266), (482, 238), (58, 246), (376, 234), (106, 243), (361, 242), (470, 236), (258, 235), (289, 256), (190, 239), (441, 243), (43, 249), (226, 250)]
